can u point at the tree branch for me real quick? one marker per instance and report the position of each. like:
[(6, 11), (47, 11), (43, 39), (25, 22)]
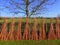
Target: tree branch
[(16, 4), (38, 6), (31, 1)]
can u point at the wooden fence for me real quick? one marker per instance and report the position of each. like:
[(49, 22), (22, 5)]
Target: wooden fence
[(34, 34)]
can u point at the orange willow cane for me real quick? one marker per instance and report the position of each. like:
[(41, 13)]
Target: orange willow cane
[(18, 32), (11, 31), (57, 29), (42, 35), (51, 34), (34, 31), (3, 34), (26, 35)]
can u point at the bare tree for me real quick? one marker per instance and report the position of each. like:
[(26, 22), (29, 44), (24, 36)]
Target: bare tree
[(27, 7)]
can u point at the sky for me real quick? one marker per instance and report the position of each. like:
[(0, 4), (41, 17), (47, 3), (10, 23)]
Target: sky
[(53, 10)]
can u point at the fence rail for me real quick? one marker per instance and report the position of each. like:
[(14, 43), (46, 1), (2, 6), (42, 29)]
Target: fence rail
[(30, 32)]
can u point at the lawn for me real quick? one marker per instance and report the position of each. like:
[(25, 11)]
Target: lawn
[(31, 42)]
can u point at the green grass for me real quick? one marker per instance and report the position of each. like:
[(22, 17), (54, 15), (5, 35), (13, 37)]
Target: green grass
[(31, 42), (30, 20)]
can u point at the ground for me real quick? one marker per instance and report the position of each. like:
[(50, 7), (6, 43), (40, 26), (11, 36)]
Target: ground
[(31, 42)]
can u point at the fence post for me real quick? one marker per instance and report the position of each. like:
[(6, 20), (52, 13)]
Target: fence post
[(51, 34), (26, 35), (42, 35), (57, 29), (3, 34), (18, 32), (34, 31), (11, 30)]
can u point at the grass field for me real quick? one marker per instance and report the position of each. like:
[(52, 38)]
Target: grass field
[(31, 42), (30, 20)]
